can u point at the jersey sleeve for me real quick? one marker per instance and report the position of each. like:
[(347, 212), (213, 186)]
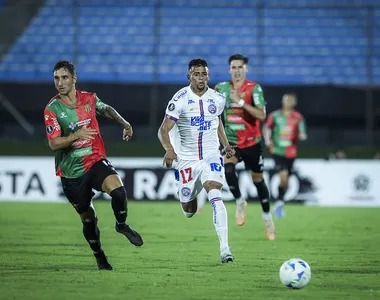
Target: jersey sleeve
[(258, 96), (269, 122), (53, 129), (302, 126), (175, 108), (99, 105)]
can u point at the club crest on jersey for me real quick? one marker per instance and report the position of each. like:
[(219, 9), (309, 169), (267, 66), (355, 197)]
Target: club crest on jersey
[(185, 191), (86, 107), (212, 108)]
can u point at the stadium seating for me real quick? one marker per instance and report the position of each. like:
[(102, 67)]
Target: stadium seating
[(291, 43)]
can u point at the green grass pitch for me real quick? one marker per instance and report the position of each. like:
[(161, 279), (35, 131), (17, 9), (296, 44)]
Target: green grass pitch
[(44, 256)]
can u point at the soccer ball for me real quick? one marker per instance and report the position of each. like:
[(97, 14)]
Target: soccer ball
[(295, 273)]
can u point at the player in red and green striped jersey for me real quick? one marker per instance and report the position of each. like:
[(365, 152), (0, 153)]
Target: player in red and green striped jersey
[(73, 133), (282, 129), (245, 108)]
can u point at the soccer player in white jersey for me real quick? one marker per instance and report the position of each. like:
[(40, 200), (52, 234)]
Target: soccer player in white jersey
[(193, 122)]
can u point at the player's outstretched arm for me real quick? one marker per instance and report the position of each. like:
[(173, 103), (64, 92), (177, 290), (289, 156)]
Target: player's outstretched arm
[(163, 136), (110, 113)]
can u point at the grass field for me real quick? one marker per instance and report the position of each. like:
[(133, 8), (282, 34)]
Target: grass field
[(44, 256)]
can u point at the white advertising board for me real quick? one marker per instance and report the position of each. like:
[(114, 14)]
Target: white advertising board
[(315, 182)]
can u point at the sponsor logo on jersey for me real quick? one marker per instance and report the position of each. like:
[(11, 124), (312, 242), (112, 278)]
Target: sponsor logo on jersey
[(210, 101), (46, 117), (63, 115), (49, 129), (86, 107), (179, 95), (200, 123), (185, 191), (171, 107), (191, 101), (84, 122), (234, 119), (212, 108)]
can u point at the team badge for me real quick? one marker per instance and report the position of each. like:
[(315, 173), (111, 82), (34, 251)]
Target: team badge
[(212, 108), (86, 107), (49, 129), (185, 192), (171, 107)]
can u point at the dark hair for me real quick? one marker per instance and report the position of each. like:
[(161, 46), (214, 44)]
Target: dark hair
[(66, 65), (197, 62), (238, 57)]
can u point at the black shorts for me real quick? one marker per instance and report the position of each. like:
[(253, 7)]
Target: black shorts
[(79, 190), (252, 157), (283, 163)]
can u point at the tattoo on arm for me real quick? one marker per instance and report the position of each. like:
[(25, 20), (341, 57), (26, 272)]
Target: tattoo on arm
[(110, 113)]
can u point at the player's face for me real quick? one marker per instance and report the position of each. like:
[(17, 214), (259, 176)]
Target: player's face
[(238, 70), (289, 101), (63, 80), (199, 77)]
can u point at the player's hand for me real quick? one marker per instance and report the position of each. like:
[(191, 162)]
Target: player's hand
[(169, 157), (234, 96), (229, 151), (302, 136), (270, 146), (127, 133), (85, 133)]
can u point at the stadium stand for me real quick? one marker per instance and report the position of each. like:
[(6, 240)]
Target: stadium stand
[(111, 41)]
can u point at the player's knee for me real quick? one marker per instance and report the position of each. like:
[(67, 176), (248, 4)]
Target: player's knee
[(212, 185), (257, 177), (119, 194)]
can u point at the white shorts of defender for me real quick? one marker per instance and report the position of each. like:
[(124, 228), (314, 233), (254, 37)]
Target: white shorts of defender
[(192, 174)]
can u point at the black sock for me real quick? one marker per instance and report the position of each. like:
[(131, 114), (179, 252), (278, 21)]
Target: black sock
[(232, 179), (119, 204), (263, 193), (91, 233), (281, 193)]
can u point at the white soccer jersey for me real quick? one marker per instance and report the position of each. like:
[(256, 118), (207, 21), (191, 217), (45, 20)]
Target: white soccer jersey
[(195, 135)]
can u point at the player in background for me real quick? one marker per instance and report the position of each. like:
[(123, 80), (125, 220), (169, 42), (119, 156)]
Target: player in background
[(245, 108), (191, 133), (281, 130), (80, 158)]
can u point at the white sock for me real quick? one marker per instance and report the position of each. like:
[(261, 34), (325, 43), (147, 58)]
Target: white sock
[(240, 200), (267, 216), (219, 218)]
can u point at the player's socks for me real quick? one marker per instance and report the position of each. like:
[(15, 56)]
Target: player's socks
[(119, 204), (281, 193), (219, 217), (91, 233), (232, 180), (263, 193), (102, 261), (270, 229)]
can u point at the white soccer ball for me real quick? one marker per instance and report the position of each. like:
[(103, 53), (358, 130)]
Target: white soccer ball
[(295, 273)]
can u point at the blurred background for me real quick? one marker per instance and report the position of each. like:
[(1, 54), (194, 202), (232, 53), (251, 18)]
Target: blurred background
[(134, 55)]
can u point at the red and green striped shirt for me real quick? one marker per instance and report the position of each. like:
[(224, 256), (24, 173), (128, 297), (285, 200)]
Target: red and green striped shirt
[(63, 120), (241, 128), (285, 131)]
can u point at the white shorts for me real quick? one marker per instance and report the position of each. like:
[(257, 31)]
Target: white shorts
[(192, 174)]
